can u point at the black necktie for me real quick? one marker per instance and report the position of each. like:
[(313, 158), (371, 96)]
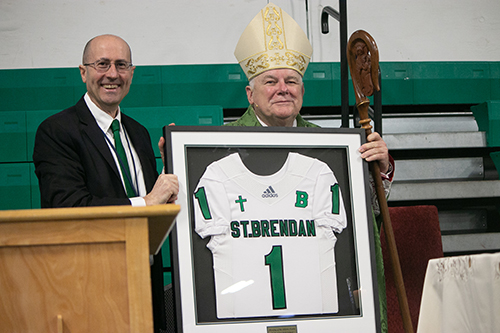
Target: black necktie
[(122, 158)]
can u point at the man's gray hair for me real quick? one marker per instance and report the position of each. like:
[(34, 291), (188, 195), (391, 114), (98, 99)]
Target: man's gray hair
[(251, 83)]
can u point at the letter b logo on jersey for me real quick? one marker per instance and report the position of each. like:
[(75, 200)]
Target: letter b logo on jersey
[(301, 199)]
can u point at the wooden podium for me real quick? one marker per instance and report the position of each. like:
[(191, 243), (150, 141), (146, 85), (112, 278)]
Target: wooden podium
[(80, 269)]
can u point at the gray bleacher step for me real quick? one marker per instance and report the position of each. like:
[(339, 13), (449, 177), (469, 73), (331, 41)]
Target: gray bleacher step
[(413, 191), (435, 140), (477, 242), (466, 168), (410, 122), (429, 122), (461, 220)]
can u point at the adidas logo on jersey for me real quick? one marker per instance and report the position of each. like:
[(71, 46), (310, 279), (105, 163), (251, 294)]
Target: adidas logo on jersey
[(269, 193)]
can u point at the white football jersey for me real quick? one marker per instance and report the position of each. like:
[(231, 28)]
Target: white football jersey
[(272, 237)]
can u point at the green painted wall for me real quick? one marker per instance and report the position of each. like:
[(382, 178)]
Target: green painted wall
[(403, 83), (197, 94)]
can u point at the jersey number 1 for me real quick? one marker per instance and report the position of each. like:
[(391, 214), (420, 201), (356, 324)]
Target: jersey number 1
[(201, 196), (275, 262)]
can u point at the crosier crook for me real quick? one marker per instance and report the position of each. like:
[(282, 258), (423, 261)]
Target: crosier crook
[(363, 59)]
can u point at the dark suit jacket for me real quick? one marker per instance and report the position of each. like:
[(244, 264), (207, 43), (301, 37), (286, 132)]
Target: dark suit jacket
[(74, 165)]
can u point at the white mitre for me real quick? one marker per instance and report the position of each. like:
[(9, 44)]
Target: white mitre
[(273, 40)]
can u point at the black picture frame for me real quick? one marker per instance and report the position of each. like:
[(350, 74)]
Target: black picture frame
[(188, 152)]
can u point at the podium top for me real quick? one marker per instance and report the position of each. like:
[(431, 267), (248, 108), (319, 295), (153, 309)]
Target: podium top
[(36, 222), (85, 213)]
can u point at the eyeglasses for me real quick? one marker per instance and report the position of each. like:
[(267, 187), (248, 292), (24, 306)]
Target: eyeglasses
[(102, 66)]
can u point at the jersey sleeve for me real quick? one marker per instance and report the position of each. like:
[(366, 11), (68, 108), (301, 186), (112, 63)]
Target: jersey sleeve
[(210, 204), (328, 209)]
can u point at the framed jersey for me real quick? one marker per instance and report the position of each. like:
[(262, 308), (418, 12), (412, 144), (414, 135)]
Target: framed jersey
[(275, 230)]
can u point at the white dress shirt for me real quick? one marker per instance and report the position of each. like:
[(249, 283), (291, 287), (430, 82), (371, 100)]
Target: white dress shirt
[(104, 121)]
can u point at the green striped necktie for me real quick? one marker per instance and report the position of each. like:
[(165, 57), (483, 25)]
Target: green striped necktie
[(122, 158)]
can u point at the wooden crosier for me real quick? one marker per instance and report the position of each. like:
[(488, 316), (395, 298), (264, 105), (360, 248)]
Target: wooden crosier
[(362, 57)]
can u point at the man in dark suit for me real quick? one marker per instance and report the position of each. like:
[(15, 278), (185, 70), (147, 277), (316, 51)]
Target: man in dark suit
[(77, 161)]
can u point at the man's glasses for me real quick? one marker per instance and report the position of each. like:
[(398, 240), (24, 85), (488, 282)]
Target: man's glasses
[(102, 66)]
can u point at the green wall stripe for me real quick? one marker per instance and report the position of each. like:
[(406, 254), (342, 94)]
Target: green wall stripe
[(201, 92), (403, 83)]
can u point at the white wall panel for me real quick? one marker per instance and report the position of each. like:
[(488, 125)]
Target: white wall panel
[(423, 30), (42, 33)]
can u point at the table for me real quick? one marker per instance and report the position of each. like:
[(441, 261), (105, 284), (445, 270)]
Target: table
[(461, 294)]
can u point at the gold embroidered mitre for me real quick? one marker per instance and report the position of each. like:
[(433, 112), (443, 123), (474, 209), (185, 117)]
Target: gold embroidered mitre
[(272, 40)]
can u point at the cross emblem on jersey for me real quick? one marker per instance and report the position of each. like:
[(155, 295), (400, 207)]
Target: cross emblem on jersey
[(241, 201)]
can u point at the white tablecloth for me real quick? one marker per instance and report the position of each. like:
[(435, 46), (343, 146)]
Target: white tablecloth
[(461, 294)]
